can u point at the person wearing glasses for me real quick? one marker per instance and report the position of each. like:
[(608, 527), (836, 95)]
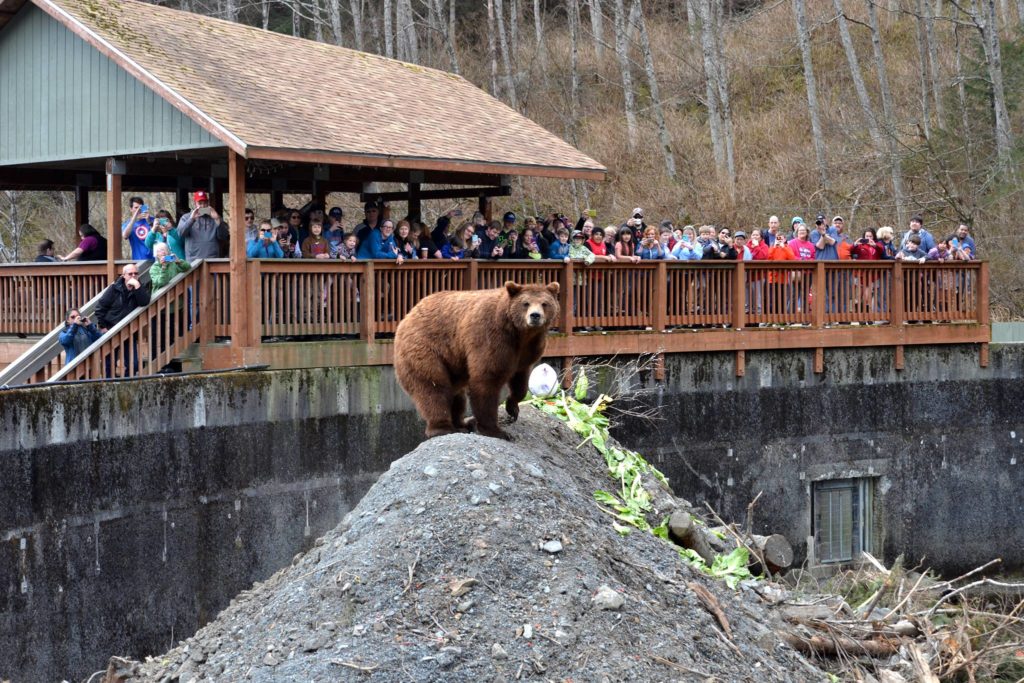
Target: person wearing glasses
[(121, 298), (202, 229), (164, 231), (252, 229)]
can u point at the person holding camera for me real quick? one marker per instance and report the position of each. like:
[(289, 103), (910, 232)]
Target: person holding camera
[(137, 228), (165, 266), (121, 298), (264, 246), (78, 334), (164, 231), (202, 230)]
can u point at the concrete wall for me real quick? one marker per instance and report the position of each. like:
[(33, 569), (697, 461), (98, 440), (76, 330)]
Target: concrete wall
[(133, 512), (943, 438)]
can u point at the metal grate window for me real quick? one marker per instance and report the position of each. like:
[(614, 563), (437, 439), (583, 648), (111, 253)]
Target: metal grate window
[(842, 518)]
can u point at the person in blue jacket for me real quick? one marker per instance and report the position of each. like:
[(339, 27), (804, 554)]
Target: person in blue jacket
[(264, 246), (78, 334), (381, 244)]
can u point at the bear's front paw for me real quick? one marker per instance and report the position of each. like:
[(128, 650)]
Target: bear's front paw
[(469, 424), (512, 408)]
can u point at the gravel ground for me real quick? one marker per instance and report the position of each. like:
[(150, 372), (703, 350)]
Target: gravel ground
[(475, 559)]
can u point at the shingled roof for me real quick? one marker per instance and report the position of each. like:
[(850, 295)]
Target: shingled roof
[(268, 95)]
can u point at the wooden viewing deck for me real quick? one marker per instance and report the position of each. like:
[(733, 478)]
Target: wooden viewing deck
[(312, 313)]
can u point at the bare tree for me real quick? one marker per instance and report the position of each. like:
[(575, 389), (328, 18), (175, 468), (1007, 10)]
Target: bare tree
[(933, 59), (492, 50), (923, 71), (709, 53), (506, 60), (443, 28), (804, 40), (984, 18), (407, 31), (231, 10), (895, 162), (334, 10), (356, 9), (389, 41), (622, 52), (265, 12), (652, 83), (855, 73), (725, 108), (538, 31), (597, 25)]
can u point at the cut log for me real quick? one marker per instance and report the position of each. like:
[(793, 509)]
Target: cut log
[(836, 645), (775, 549), (688, 534)]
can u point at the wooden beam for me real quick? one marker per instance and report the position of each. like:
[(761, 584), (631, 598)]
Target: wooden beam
[(456, 193), (566, 302), (819, 360), (741, 363), (486, 207), (983, 354), (241, 295), (81, 211), (113, 220), (414, 197), (899, 357)]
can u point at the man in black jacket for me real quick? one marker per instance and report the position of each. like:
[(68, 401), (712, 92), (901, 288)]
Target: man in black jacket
[(121, 298)]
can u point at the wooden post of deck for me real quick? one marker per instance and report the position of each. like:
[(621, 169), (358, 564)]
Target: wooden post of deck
[(241, 297), (181, 196), (415, 207), (115, 169), (486, 207), (81, 211), (739, 297), (659, 314), (566, 299), (983, 312)]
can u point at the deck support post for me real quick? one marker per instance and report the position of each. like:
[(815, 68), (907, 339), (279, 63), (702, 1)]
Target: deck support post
[(115, 170), (241, 296)]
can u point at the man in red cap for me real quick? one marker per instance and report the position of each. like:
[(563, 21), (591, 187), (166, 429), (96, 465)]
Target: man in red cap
[(202, 230)]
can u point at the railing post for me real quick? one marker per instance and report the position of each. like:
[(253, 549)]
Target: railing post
[(896, 312), (367, 313), (739, 296), (566, 299), (818, 288), (204, 284), (472, 273), (115, 169), (983, 281), (659, 304), (240, 299), (256, 313)]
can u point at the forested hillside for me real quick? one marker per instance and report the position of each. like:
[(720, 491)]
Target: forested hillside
[(724, 112)]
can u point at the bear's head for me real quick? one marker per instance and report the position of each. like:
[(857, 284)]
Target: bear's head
[(532, 307)]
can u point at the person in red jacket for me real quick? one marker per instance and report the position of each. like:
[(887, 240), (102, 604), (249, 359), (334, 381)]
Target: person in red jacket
[(868, 248)]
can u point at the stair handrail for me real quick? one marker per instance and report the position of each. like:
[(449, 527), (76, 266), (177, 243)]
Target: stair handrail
[(81, 358), (44, 351)]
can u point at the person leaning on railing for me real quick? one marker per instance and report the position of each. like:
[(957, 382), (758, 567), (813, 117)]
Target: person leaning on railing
[(93, 246), (164, 231), (121, 298), (165, 266), (264, 246), (381, 244), (686, 247), (559, 249)]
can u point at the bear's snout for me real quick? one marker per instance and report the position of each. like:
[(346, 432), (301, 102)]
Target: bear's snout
[(536, 318)]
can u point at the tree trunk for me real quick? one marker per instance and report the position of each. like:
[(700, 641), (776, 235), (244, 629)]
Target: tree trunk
[(318, 23), (961, 93), (622, 52), (985, 20), (492, 50), (355, 6), (858, 78), (895, 163), (513, 31), (265, 12), (334, 8), (408, 30), (803, 38), (922, 60), (685, 533), (538, 30), (389, 41), (652, 83), (443, 30), (506, 60), (933, 62), (597, 26), (692, 17), (296, 19), (573, 11), (725, 109), (231, 10), (707, 41)]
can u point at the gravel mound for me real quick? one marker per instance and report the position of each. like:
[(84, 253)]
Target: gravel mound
[(475, 559)]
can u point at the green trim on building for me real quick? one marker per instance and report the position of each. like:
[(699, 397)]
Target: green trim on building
[(61, 99)]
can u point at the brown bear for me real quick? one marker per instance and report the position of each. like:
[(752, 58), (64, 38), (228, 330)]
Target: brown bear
[(476, 341)]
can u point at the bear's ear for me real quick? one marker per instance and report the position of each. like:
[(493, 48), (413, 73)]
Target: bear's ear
[(553, 288), (513, 288)]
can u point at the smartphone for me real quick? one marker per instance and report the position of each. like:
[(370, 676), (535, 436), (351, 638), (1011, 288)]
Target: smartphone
[(169, 258), (205, 211), (143, 209), (457, 212), (592, 213)]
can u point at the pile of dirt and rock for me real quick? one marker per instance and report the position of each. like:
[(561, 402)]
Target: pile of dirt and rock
[(475, 559)]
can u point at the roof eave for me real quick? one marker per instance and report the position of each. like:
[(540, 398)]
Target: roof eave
[(171, 96), (596, 173)]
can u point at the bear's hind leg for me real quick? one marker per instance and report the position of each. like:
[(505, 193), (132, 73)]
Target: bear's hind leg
[(434, 403)]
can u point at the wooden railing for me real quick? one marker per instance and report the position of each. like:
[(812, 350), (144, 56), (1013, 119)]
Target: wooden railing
[(370, 298), (151, 337), (35, 297)]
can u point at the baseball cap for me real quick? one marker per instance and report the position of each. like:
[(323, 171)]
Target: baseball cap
[(509, 217), (739, 233), (336, 212), (638, 212), (837, 218), (577, 233), (370, 205), (274, 223), (796, 219), (200, 196), (820, 217)]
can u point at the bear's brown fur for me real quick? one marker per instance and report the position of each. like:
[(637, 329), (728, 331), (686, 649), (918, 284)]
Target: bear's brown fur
[(476, 341)]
